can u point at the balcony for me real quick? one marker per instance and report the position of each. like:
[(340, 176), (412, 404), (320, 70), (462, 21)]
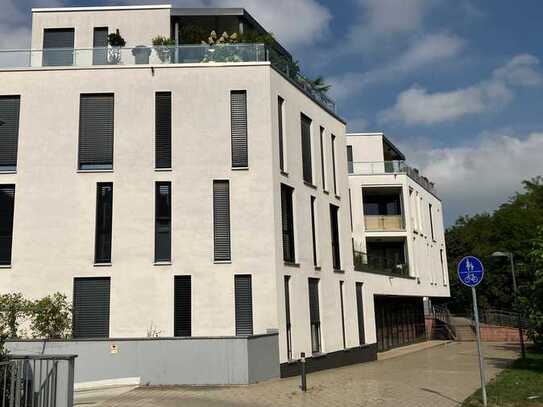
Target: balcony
[(162, 55), (391, 167), (381, 257), (383, 223), (383, 209)]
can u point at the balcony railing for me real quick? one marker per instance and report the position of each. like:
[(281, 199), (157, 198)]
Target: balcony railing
[(379, 264), (391, 167), (158, 55), (383, 222)]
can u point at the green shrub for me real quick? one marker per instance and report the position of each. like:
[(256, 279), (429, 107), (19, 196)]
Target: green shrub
[(51, 317), (13, 308)]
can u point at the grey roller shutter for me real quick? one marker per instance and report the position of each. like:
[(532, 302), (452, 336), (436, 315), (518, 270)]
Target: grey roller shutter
[(182, 306), (7, 204), (9, 131), (306, 149), (58, 47), (91, 307), (221, 220), (96, 131), (99, 44), (244, 305), (280, 104), (287, 224), (163, 130), (314, 313), (238, 112), (360, 308)]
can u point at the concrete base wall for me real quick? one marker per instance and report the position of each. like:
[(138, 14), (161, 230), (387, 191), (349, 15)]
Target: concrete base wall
[(166, 361)]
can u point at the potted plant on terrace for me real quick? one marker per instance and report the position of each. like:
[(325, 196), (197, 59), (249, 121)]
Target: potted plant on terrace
[(116, 41), (141, 54), (164, 47)]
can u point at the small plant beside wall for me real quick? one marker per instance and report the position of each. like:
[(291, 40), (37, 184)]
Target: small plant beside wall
[(51, 317), (116, 41), (164, 47)]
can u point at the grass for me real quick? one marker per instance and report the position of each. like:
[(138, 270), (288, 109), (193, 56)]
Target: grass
[(520, 385)]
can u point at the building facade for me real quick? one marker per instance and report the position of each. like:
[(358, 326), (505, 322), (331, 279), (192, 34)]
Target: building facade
[(191, 190)]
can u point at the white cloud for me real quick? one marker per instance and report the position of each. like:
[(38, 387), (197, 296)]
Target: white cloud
[(417, 106), (477, 178)]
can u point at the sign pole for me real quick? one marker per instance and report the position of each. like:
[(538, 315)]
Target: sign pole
[(479, 349)]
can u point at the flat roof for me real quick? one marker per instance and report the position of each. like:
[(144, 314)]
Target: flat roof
[(101, 8), (385, 139)]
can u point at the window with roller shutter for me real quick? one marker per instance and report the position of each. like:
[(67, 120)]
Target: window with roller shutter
[(163, 221), (306, 149), (91, 307), (7, 204), (58, 47), (9, 131), (104, 217), (221, 220), (314, 315), (238, 112), (163, 130), (287, 224), (182, 306), (243, 304)]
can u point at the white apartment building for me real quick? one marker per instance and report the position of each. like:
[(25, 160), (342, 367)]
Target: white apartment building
[(195, 190)]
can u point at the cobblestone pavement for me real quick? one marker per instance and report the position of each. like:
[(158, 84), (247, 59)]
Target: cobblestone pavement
[(440, 376)]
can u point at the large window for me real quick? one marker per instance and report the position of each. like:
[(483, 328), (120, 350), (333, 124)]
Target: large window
[(163, 130), (104, 215), (287, 220), (91, 307), (182, 306), (9, 131), (96, 132), (314, 315), (7, 203), (314, 231), (360, 313), (334, 228), (238, 113), (58, 47), (306, 149), (280, 126), (221, 220), (287, 315), (244, 304), (163, 222)]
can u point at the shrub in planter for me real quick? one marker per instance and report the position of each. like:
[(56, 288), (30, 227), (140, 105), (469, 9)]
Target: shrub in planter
[(116, 41), (164, 48)]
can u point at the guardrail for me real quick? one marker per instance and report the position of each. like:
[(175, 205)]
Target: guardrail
[(383, 222)]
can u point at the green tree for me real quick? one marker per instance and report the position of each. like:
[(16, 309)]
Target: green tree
[(533, 302), (51, 317), (13, 307)]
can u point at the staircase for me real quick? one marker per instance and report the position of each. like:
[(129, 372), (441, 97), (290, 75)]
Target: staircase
[(465, 331)]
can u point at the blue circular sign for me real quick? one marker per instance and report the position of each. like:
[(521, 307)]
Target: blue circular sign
[(470, 271)]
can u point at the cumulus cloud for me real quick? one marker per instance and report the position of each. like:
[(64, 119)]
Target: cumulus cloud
[(417, 106), (475, 178)]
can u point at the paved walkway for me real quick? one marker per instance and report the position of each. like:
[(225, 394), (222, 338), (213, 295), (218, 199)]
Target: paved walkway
[(441, 376)]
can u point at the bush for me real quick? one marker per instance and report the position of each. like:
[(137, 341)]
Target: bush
[(51, 317), (13, 307)]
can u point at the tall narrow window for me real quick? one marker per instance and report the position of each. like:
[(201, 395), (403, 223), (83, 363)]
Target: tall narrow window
[(104, 211), (163, 130), (334, 228), (314, 232), (221, 220), (238, 113), (360, 309), (443, 273), (323, 163), (58, 47), (9, 131), (91, 307), (342, 313), (182, 325), (280, 125), (7, 204), (96, 132), (306, 149), (287, 314), (287, 224), (163, 221), (431, 221), (334, 163), (314, 315), (244, 304), (99, 44), (350, 164)]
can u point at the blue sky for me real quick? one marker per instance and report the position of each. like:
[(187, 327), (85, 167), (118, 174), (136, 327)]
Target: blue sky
[(457, 85)]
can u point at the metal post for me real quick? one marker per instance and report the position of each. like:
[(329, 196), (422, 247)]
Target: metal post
[(479, 349), (517, 303), (302, 371), (70, 384)]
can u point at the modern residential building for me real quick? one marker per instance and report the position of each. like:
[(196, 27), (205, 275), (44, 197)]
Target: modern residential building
[(202, 191), (398, 238)]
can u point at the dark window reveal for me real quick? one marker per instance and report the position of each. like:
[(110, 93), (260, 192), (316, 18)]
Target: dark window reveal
[(163, 221), (313, 231), (306, 149), (163, 130), (58, 47), (287, 314), (182, 306), (91, 307), (9, 131), (350, 164), (314, 315), (334, 163), (244, 304), (7, 204), (360, 314), (104, 211), (334, 228), (323, 171), (341, 285), (99, 44), (287, 221), (238, 113), (280, 113), (221, 221)]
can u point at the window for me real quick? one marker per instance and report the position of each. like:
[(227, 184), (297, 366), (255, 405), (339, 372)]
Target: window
[(351, 209), (99, 44), (163, 130), (91, 307), (314, 316), (104, 210), (334, 227), (334, 163), (221, 220), (9, 131), (287, 224), (163, 221), (431, 221), (58, 47), (244, 305), (238, 112), (182, 306), (96, 132), (287, 314), (443, 272), (350, 164), (314, 232), (412, 209), (280, 125), (323, 171), (7, 204), (360, 309), (306, 149), (342, 313)]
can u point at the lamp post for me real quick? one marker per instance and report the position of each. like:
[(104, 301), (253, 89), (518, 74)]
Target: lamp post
[(515, 289)]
